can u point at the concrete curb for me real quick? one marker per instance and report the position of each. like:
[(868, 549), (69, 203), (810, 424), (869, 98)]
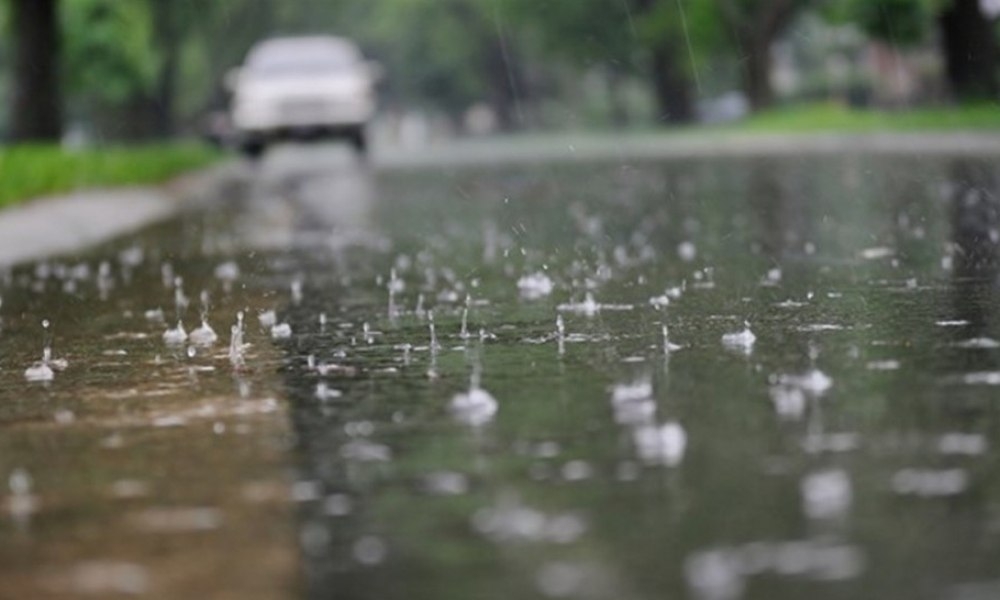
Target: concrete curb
[(683, 145), (71, 222)]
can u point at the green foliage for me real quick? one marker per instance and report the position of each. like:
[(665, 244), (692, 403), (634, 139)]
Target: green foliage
[(108, 55), (838, 118), (435, 50), (899, 22), (32, 171)]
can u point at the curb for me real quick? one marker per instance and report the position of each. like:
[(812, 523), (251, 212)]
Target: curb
[(70, 222)]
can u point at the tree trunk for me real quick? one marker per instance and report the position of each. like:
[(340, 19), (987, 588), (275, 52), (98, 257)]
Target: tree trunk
[(671, 86), (36, 114), (671, 83), (167, 36), (506, 84), (618, 105), (970, 51), (757, 73)]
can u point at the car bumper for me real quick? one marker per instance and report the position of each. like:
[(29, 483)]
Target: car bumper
[(291, 117)]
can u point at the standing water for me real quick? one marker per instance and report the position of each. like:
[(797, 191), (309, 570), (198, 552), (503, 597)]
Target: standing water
[(843, 450)]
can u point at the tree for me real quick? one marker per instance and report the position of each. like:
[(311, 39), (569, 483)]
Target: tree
[(968, 37), (36, 113), (755, 25), (661, 24), (969, 43)]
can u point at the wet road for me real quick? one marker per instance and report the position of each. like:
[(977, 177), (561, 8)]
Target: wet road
[(710, 378)]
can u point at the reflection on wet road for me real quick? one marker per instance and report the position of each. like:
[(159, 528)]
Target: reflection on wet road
[(703, 378)]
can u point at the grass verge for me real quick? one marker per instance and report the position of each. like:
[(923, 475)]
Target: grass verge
[(29, 171), (834, 117)]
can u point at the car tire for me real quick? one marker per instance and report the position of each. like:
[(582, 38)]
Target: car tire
[(253, 149), (359, 141)]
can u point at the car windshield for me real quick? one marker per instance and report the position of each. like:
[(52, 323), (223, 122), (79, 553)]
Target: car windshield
[(294, 57)]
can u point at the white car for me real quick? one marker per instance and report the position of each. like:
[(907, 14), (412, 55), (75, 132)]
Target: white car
[(302, 88)]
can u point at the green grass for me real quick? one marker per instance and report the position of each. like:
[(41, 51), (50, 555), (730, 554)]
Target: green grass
[(30, 171), (811, 118)]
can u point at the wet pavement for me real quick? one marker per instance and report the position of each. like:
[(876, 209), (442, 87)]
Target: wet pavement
[(707, 378)]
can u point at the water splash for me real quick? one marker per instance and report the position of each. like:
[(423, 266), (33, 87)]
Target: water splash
[(281, 331), (668, 346), (204, 335), (475, 407), (175, 336), (740, 341), (44, 370), (267, 318), (826, 494), (432, 331), (181, 301), (660, 444), (464, 332), (236, 347), (535, 286)]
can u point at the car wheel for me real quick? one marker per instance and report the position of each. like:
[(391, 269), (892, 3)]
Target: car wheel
[(253, 149), (359, 141)]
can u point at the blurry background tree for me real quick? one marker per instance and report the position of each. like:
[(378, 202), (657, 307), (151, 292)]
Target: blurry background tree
[(151, 68), (36, 104)]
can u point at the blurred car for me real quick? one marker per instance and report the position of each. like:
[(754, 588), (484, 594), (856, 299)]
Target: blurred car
[(299, 88)]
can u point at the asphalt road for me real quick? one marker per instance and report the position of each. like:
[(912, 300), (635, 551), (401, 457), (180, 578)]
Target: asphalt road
[(567, 368)]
